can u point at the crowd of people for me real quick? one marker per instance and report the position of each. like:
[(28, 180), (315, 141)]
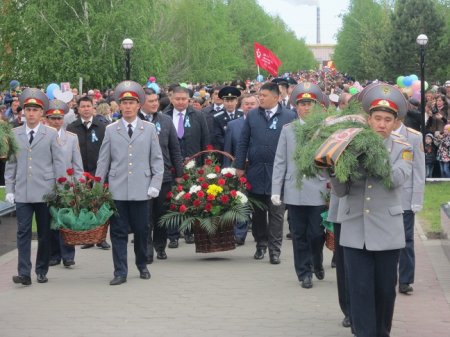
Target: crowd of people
[(138, 137)]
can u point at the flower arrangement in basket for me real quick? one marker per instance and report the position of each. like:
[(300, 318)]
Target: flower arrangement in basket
[(80, 208), (210, 200)]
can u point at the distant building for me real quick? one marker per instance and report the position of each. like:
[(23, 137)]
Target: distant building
[(322, 52)]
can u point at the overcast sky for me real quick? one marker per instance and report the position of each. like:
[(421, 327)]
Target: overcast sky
[(300, 16)]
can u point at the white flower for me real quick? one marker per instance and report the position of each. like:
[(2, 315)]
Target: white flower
[(228, 170), (241, 197), (179, 195), (190, 165), (211, 176), (195, 189)]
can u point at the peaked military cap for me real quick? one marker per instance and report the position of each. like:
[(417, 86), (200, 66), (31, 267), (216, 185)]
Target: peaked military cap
[(33, 97), (229, 92), (129, 90), (385, 97), (57, 108), (307, 91), (239, 84)]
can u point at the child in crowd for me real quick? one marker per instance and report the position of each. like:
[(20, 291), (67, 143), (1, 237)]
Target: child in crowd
[(430, 155)]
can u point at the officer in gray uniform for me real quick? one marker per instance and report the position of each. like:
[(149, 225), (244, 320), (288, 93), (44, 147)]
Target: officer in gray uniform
[(372, 232), (131, 156), (29, 175), (305, 204), (69, 142), (412, 203)]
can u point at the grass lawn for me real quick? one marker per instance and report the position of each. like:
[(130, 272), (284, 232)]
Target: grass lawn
[(436, 193)]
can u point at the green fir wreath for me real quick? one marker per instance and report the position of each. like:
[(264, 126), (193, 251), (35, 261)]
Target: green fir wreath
[(8, 144)]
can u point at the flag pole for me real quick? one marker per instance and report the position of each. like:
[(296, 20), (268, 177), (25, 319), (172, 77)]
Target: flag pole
[(258, 69)]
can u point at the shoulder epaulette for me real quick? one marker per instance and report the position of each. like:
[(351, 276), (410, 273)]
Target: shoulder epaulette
[(71, 133), (115, 123), (396, 134), (17, 127), (147, 121), (50, 127), (219, 113), (401, 142), (414, 131)]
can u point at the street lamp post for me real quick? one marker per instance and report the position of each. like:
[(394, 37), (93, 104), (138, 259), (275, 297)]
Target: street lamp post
[(127, 45), (422, 40)]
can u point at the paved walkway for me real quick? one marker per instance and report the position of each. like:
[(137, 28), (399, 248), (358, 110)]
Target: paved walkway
[(219, 294)]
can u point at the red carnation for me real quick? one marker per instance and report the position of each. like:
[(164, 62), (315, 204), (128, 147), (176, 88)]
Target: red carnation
[(169, 195), (186, 176), (179, 188), (197, 203), (210, 197), (221, 182), (209, 147), (225, 199), (201, 171), (81, 180), (183, 209), (208, 207), (187, 196), (70, 171), (233, 193), (205, 186), (62, 180), (208, 161), (217, 169), (86, 174), (248, 186), (200, 194), (105, 185), (243, 180), (201, 179), (328, 185), (71, 185), (229, 175), (97, 179), (172, 207)]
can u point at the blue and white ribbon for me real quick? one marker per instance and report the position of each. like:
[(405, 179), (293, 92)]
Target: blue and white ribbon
[(274, 124), (94, 137), (187, 124), (158, 128)]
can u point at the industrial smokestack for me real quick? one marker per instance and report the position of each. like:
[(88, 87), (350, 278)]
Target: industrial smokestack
[(318, 25)]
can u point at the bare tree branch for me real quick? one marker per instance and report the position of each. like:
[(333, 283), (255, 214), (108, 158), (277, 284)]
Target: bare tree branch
[(54, 30)]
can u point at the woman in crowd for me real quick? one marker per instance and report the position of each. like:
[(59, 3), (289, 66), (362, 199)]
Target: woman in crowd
[(443, 152)]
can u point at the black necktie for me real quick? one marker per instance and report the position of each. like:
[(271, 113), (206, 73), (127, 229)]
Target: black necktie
[(130, 130), (268, 112), (86, 124), (31, 136), (218, 109), (231, 116)]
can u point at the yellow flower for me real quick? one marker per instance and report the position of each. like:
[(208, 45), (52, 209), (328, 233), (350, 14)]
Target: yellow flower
[(214, 189)]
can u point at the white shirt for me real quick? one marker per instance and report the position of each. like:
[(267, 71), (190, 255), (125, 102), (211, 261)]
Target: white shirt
[(133, 124), (176, 116), (35, 130), (89, 122), (273, 110)]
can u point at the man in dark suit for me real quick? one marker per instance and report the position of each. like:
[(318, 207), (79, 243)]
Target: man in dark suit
[(170, 148), (90, 132), (193, 136), (258, 142), (210, 110)]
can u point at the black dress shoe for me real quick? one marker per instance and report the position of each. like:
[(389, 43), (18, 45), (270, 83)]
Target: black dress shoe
[(117, 280), (150, 260), (405, 288), (320, 273), (239, 242), (173, 244), (307, 282), (333, 264), (259, 254), (41, 278), (87, 246), (54, 262), (68, 263), (289, 236), (161, 255), (274, 259), (24, 280), (189, 238), (103, 245), (346, 323), (144, 274)]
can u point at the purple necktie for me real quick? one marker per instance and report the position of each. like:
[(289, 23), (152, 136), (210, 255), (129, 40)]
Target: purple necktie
[(180, 129)]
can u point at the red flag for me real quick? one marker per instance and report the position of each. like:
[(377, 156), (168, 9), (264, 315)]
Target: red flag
[(266, 59)]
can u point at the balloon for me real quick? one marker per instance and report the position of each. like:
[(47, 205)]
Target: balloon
[(416, 85), (353, 91), (51, 87), (408, 91), (407, 81), (414, 77), (154, 86), (260, 78), (152, 79), (184, 85), (400, 81), (416, 95), (426, 85)]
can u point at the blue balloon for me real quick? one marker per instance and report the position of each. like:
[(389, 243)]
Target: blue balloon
[(414, 77), (260, 78), (154, 86), (407, 81), (51, 87)]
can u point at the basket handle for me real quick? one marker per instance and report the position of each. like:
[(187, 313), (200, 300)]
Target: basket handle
[(226, 154)]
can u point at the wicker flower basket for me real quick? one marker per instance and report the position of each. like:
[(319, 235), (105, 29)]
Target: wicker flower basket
[(329, 240), (92, 236), (220, 241)]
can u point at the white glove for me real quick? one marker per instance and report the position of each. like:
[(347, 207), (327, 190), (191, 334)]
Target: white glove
[(276, 200), (9, 198), (416, 208), (153, 192)]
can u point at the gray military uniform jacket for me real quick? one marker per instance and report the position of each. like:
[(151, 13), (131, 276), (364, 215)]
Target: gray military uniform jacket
[(371, 214), (32, 172), (72, 154), (134, 164), (285, 173), (414, 187)]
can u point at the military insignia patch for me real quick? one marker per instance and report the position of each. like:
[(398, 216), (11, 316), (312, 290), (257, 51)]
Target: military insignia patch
[(407, 155)]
